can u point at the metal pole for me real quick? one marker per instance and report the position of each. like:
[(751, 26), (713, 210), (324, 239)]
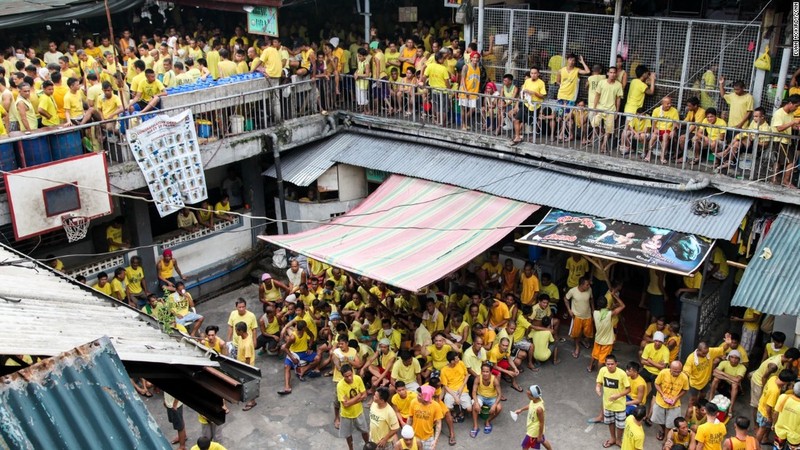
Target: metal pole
[(615, 34), (759, 76), (787, 54), (481, 7), (685, 66), (510, 60), (366, 21), (658, 48), (276, 153), (117, 59), (564, 39), (723, 43)]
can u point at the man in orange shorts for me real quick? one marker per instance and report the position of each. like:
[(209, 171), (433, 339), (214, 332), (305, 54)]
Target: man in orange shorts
[(603, 324), (579, 306)]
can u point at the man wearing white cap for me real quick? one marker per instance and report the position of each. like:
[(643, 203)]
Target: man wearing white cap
[(426, 418), (730, 371), (534, 436), (408, 441), (655, 358)]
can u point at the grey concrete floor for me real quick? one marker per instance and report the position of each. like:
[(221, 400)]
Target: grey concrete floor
[(304, 419)]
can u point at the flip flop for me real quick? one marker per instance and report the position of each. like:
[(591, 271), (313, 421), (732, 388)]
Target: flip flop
[(660, 435), (487, 429), (473, 433), (575, 355), (518, 389), (452, 441), (285, 392), (174, 441), (249, 406), (313, 374), (608, 444), (585, 345), (594, 421)]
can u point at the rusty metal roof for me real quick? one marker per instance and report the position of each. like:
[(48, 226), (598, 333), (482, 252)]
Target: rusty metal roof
[(79, 399)]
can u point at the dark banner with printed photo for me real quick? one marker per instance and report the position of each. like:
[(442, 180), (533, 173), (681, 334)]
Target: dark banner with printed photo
[(658, 248)]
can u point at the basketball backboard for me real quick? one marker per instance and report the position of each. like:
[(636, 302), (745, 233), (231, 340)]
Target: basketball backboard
[(39, 196)]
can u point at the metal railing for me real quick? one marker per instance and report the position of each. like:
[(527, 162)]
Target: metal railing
[(759, 156), (215, 119)]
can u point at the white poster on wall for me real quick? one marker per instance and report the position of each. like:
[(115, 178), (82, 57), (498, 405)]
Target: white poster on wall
[(168, 154)]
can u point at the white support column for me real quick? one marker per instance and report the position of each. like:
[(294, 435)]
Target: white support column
[(615, 34), (510, 60), (787, 54), (481, 7), (685, 65), (759, 78), (367, 18)]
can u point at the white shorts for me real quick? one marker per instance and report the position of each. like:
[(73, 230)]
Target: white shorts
[(362, 97), (464, 400), (467, 103)]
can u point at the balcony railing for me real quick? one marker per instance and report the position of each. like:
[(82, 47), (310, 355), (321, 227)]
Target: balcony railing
[(756, 156), (215, 119)]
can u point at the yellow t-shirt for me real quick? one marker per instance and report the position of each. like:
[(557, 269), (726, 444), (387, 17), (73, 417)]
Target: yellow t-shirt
[(633, 436), (636, 93), (403, 405), (531, 102), (635, 384), (555, 64), (438, 356), (541, 340), (117, 288), (758, 375), (346, 358), (108, 106), (728, 369), (671, 387), (640, 124), (404, 373), (105, 289), (699, 370), (48, 104), (300, 343), (613, 384), (530, 286), (693, 281), (739, 106), (788, 424), (495, 354), (150, 90), (751, 313), (115, 235), (226, 68), (711, 435), (213, 446), (219, 208), (437, 75), (454, 377), (568, 90), (212, 59), (609, 93), (714, 133), (576, 270), (246, 350), (423, 418), (663, 125), (781, 118), (498, 313), (552, 291), (73, 102), (345, 391), (656, 355), (769, 396), (772, 352), (533, 427), (134, 277)]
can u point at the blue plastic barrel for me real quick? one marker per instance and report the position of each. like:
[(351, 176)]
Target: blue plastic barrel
[(8, 157), (534, 253), (66, 145), (36, 151)]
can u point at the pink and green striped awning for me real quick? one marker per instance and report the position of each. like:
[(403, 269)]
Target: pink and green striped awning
[(410, 232)]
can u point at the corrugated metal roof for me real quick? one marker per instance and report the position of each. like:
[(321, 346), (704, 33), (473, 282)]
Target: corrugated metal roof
[(304, 165), (45, 313), (640, 205), (769, 285), (80, 399)]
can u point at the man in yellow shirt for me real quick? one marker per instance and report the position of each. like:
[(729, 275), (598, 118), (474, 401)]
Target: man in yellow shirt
[(350, 392), (109, 106), (426, 418), (47, 106), (181, 304), (103, 285), (633, 435), (148, 93), (699, 367), (118, 288), (671, 384), (710, 434), (246, 351), (740, 103), (644, 84), (787, 426), (438, 78), (533, 92), (136, 282), (114, 237), (606, 99), (769, 398), (226, 67), (710, 136), (568, 80), (73, 104), (454, 377), (663, 130), (730, 371), (205, 443), (783, 121), (613, 385), (654, 359), (23, 114)]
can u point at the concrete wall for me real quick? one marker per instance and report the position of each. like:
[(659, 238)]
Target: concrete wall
[(790, 325), (352, 182), (313, 211)]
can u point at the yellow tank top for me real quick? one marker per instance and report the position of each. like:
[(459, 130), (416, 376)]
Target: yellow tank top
[(678, 439), (508, 93), (214, 347), (472, 82), (749, 443), (569, 84), (413, 445), (300, 343), (487, 391), (409, 53), (167, 270), (272, 293)]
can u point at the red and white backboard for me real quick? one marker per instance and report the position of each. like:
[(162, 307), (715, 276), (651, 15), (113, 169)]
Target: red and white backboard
[(39, 196)]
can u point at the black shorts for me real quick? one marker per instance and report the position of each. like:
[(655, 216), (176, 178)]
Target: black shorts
[(649, 377), (264, 341), (175, 417), (524, 115)]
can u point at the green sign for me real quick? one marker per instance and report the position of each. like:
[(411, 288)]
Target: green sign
[(377, 176), (263, 20)]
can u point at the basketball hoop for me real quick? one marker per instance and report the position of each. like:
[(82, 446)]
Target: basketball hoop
[(75, 226)]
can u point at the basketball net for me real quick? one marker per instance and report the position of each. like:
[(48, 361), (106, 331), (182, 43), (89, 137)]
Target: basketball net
[(75, 226)]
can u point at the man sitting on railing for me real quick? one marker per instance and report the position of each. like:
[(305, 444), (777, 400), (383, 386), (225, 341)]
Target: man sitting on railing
[(695, 114), (743, 140), (148, 93), (710, 137), (663, 130)]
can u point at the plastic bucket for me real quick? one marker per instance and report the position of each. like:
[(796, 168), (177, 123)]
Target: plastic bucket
[(36, 151), (66, 145), (237, 124), (248, 125)]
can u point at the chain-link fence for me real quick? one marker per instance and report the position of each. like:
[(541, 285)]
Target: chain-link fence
[(687, 56)]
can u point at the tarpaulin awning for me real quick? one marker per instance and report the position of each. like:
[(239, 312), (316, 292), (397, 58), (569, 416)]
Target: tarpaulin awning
[(772, 277), (661, 249), (410, 233)]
